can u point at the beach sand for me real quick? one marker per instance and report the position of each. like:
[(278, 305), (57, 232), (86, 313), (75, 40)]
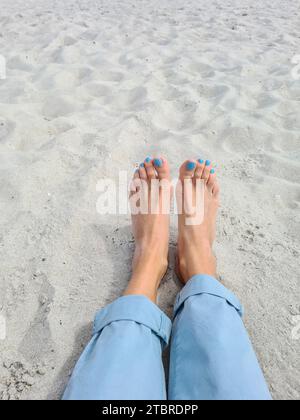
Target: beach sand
[(93, 87)]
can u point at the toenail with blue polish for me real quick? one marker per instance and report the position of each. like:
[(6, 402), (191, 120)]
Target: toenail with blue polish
[(201, 161), (212, 171), (158, 162), (142, 165), (207, 163), (190, 166), (148, 160)]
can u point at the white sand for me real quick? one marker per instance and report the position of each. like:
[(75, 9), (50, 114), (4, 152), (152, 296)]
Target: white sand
[(93, 86)]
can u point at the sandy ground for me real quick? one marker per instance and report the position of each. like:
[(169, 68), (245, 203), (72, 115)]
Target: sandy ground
[(96, 86)]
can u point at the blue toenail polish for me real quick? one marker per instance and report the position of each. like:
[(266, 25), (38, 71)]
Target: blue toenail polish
[(158, 163), (190, 166), (201, 161), (212, 171), (207, 163), (148, 159), (142, 165)]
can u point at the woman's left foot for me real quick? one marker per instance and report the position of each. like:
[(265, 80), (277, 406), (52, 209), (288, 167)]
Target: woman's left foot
[(150, 228), (195, 241)]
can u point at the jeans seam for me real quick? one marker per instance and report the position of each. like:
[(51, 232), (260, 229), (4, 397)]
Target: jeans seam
[(175, 347)]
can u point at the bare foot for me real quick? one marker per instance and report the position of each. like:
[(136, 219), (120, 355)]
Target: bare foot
[(151, 231), (195, 242)]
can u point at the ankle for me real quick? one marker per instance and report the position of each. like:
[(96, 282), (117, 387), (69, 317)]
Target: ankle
[(198, 260), (136, 288), (150, 260), (148, 270), (144, 284)]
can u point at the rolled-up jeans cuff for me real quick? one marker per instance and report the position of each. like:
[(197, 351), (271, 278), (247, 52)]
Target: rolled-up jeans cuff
[(204, 284), (138, 309)]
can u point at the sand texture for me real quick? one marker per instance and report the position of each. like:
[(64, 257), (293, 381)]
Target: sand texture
[(93, 87)]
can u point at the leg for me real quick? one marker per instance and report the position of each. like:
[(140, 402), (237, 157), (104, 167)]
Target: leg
[(150, 228), (123, 359), (211, 355)]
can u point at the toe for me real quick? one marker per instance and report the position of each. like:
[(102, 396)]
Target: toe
[(200, 168), (149, 167), (142, 172), (216, 190), (187, 169), (134, 182), (206, 170), (212, 179), (162, 168)]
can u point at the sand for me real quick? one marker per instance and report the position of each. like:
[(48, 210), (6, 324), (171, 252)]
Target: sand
[(93, 87)]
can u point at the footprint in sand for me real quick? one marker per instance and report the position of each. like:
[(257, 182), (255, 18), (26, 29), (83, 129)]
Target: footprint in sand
[(39, 331)]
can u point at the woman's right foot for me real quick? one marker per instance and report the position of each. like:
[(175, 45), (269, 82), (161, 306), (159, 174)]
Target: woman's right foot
[(195, 241), (151, 230)]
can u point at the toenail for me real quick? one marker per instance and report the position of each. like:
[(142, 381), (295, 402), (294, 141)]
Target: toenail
[(142, 165), (212, 171), (201, 161), (158, 162), (148, 159), (207, 163), (190, 166)]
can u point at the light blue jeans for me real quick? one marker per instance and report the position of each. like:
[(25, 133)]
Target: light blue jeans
[(211, 355)]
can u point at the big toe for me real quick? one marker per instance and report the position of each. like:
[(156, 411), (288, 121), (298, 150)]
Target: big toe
[(187, 169), (162, 168)]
